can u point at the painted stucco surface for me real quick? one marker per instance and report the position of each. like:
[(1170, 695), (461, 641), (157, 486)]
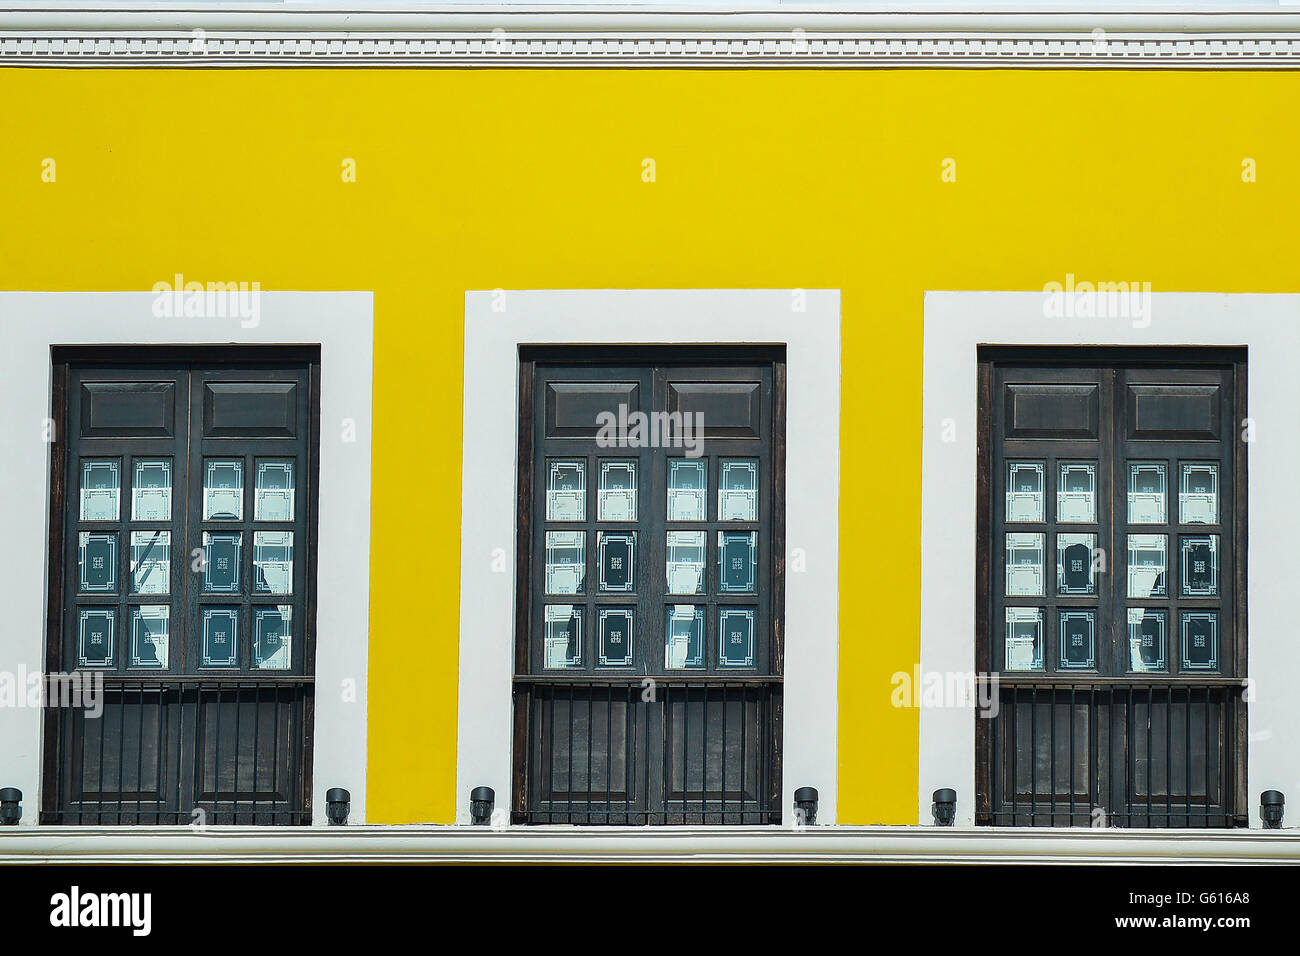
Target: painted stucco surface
[(536, 179)]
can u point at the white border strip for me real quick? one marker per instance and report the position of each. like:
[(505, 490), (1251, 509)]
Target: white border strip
[(342, 324), (621, 845), (496, 324), (1161, 36), (955, 324)]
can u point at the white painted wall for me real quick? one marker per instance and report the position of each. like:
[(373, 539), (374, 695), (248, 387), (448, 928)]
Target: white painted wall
[(342, 324), (955, 324), (489, 470)]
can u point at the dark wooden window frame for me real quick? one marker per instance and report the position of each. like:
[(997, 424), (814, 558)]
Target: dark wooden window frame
[(236, 358), (771, 585), (1227, 684)]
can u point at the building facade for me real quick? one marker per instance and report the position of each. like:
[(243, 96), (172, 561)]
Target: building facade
[(649, 416)]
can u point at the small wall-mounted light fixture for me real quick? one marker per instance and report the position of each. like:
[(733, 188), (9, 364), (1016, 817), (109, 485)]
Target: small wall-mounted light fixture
[(805, 801), (944, 808), (11, 806), (1272, 807), (481, 801), (337, 804)]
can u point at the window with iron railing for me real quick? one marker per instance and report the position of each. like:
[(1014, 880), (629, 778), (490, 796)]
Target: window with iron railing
[(182, 575), (1111, 581), (648, 664)]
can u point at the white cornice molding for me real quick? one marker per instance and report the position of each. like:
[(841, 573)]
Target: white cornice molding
[(259, 35), (465, 844)]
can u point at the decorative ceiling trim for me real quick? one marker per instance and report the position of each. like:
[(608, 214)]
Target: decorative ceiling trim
[(279, 35)]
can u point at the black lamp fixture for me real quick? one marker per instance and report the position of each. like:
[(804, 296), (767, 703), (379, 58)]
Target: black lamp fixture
[(481, 801), (11, 809), (1272, 807), (944, 807), (805, 801), (337, 804)]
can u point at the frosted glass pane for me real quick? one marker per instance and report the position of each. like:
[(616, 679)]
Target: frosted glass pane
[(101, 485), (223, 489), (738, 489), (566, 490), (273, 562), (220, 637), (221, 560), (566, 562), (95, 636), (616, 500), (273, 490), (685, 562), (684, 637), (1024, 639), (273, 638), (151, 562), (97, 562), (562, 636), (687, 486), (150, 636), (1024, 491), (151, 489)]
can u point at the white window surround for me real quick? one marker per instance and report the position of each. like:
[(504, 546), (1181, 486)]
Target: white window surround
[(1268, 325), (342, 324), (489, 472)]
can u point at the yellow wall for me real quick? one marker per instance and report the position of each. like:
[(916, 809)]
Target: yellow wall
[(531, 179)]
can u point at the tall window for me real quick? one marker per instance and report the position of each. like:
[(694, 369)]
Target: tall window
[(181, 570), (650, 586), (1112, 587)]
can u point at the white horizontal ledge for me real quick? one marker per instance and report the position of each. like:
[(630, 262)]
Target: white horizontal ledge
[(506, 35), (1244, 16), (451, 844), (668, 50)]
